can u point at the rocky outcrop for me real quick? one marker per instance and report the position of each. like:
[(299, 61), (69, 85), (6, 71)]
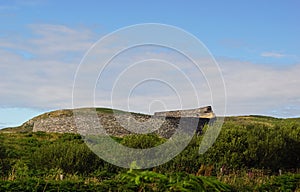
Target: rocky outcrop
[(203, 112), (204, 115), (161, 123)]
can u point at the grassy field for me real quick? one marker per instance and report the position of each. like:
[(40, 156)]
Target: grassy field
[(252, 153)]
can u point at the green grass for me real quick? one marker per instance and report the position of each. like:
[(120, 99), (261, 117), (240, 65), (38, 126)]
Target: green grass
[(251, 148), (109, 111)]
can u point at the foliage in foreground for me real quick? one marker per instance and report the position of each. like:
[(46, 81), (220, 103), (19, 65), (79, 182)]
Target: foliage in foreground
[(35, 161), (134, 180), (152, 181), (287, 182), (130, 181)]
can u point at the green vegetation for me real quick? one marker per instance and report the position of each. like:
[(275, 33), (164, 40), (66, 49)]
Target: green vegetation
[(108, 110), (247, 156)]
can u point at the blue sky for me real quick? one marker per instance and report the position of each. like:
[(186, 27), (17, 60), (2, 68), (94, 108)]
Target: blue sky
[(255, 43)]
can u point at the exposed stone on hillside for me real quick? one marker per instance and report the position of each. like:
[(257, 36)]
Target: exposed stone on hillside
[(65, 121), (203, 112)]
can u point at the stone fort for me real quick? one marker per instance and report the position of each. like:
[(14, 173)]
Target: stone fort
[(63, 121)]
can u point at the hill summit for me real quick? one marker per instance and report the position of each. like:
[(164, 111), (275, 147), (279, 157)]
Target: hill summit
[(115, 122)]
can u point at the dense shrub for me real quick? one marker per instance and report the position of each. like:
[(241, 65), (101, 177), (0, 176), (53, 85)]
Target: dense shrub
[(152, 181), (4, 163), (256, 145), (29, 185), (70, 156), (34, 160), (282, 183), (142, 141)]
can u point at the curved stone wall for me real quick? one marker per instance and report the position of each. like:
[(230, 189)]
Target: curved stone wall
[(63, 122)]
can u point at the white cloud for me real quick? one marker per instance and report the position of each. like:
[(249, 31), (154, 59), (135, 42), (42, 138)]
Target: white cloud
[(44, 79), (2, 125), (57, 39), (273, 54), (260, 89)]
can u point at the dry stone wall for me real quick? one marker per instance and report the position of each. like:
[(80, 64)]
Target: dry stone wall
[(203, 112), (64, 122)]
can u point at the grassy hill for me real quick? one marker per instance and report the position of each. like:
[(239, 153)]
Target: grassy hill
[(27, 126), (247, 156)]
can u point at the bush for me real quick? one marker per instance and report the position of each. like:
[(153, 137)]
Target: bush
[(4, 163), (142, 141), (152, 181), (29, 185), (71, 157), (287, 182)]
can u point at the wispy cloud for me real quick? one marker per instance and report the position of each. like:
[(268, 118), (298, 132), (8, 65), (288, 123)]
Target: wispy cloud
[(16, 5), (40, 70), (2, 125), (273, 54), (253, 88), (45, 78)]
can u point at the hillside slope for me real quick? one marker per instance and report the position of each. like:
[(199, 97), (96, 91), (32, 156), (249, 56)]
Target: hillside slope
[(62, 121)]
